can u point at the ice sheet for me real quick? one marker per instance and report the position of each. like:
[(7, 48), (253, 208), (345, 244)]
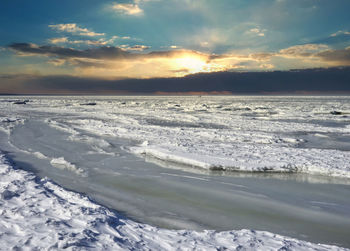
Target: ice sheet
[(245, 134), (249, 134), (39, 214)]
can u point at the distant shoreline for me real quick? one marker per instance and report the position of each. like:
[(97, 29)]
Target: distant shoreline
[(179, 94)]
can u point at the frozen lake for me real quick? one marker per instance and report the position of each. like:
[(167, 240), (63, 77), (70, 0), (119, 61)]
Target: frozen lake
[(279, 164)]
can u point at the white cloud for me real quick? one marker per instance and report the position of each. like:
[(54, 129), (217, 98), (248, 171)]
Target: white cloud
[(99, 42), (171, 47), (128, 8), (255, 30), (340, 33), (58, 40), (258, 31), (91, 34), (65, 40), (74, 28), (303, 50), (118, 37), (113, 39)]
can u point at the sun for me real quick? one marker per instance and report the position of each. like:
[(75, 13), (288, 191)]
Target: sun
[(188, 63), (191, 64)]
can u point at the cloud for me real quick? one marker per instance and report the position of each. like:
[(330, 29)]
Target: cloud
[(131, 61), (57, 62), (106, 52), (340, 33), (331, 80), (58, 40), (116, 62), (62, 52), (128, 8), (311, 56), (304, 50), (133, 9), (89, 42), (91, 34), (267, 66), (65, 40), (257, 31), (306, 56), (172, 47), (262, 56), (99, 42), (74, 28), (137, 48), (109, 61), (336, 57)]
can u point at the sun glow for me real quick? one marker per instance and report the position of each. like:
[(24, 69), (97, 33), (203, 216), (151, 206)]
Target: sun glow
[(191, 64)]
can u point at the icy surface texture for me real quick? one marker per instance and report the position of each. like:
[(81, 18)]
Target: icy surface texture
[(38, 214), (249, 134)]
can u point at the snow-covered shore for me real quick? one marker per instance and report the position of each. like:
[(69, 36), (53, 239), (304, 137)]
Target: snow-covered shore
[(38, 214)]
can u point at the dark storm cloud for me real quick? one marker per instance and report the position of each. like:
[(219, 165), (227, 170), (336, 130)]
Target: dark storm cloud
[(62, 52), (106, 52), (332, 80)]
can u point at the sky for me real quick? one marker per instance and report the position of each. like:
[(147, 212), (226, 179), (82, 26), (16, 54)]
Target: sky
[(145, 39)]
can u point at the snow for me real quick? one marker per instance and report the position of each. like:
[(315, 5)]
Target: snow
[(63, 164), (240, 134), (276, 134), (311, 161), (39, 214)]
